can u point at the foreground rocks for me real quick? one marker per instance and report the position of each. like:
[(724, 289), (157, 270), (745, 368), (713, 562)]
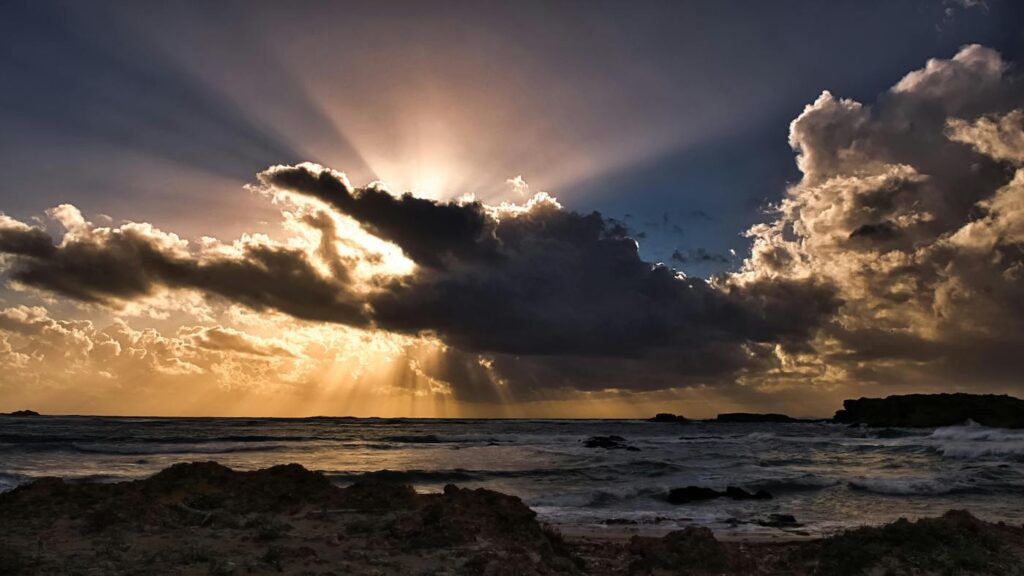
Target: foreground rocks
[(203, 518), (933, 410), (957, 543)]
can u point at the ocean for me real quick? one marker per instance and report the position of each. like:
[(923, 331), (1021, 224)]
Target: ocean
[(827, 476)]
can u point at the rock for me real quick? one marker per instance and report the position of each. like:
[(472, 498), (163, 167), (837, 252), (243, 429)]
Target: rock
[(780, 521), (209, 485), (669, 418), (680, 552), (933, 410), (956, 543), (21, 413), (743, 417), (741, 494), (462, 516), (692, 494), (609, 443), (700, 493)]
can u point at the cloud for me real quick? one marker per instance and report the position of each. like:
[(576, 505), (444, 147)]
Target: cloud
[(112, 265), (896, 260), (526, 281), (913, 208), (431, 233)]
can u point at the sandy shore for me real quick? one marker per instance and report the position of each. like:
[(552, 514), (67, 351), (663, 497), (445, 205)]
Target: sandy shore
[(203, 518)]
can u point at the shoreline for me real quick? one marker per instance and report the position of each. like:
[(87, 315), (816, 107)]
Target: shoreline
[(204, 518)]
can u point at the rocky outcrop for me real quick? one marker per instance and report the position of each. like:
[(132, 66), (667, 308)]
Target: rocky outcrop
[(956, 543), (21, 413), (280, 519), (687, 551), (609, 443), (744, 417), (692, 494), (669, 418), (933, 410), (204, 518)]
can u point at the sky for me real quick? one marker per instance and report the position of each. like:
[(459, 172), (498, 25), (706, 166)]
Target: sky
[(572, 209)]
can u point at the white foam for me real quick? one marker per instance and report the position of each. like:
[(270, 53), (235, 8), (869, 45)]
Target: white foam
[(903, 486), (973, 441)]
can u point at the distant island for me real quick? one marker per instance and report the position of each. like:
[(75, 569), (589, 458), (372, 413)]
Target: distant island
[(668, 417), (933, 410), (897, 411), (21, 413), (744, 417)]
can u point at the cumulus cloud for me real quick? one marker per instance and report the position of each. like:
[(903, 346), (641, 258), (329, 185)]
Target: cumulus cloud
[(526, 281), (108, 265), (912, 208), (897, 259)]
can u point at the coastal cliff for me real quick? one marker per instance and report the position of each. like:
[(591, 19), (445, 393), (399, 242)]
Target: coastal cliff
[(934, 410)]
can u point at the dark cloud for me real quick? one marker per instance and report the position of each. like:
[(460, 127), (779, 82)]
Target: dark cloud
[(538, 282), (104, 265), (431, 233), (898, 257)]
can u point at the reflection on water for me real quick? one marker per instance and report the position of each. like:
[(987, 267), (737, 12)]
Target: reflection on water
[(827, 476)]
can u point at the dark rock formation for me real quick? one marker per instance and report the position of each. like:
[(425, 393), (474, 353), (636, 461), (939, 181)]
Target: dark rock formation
[(932, 410), (700, 493), (744, 417), (609, 443), (280, 519), (780, 521), (687, 551), (956, 543), (692, 494), (20, 413), (669, 418)]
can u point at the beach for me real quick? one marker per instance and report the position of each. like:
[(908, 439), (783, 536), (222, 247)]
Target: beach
[(204, 518)]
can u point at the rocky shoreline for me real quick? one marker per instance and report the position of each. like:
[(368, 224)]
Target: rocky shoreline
[(204, 518)]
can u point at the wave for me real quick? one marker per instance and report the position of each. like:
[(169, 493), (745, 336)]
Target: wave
[(596, 498), (902, 486), (10, 480), (406, 476), (636, 468), (931, 486), (45, 439), (416, 439), (891, 433), (974, 441), (802, 483), (135, 450)]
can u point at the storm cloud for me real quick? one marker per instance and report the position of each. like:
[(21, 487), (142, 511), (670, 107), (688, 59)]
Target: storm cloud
[(526, 281), (897, 260)]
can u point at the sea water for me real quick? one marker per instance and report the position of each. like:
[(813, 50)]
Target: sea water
[(827, 476)]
